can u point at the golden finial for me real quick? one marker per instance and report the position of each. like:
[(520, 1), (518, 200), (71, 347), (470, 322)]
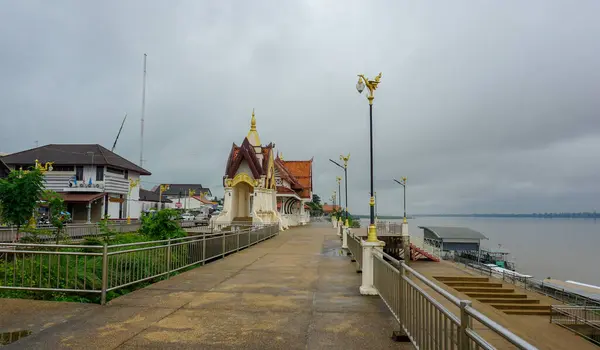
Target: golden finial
[(281, 155), (253, 121)]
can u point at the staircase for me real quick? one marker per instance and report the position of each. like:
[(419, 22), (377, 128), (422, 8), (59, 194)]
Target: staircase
[(417, 253), (496, 295)]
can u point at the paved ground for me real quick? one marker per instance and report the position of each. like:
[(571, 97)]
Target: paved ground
[(295, 291)]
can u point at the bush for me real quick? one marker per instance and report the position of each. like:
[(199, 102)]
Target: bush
[(162, 225)]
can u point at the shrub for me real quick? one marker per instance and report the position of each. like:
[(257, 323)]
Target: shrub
[(162, 225)]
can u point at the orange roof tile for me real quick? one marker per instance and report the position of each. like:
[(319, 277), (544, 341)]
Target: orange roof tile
[(301, 170), (328, 208)]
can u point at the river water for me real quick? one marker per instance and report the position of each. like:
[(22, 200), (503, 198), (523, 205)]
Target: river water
[(565, 249)]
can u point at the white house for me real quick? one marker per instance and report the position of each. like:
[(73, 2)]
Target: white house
[(93, 181)]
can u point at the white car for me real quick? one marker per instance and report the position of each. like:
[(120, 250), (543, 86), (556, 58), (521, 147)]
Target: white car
[(187, 217)]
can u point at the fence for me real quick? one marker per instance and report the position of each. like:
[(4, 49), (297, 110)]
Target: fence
[(355, 249), (100, 269), (428, 323), (583, 320)]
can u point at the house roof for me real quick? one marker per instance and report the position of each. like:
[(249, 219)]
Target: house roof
[(445, 232), (4, 169), (176, 189), (149, 196), (80, 197), (204, 200), (72, 154), (328, 208), (283, 189)]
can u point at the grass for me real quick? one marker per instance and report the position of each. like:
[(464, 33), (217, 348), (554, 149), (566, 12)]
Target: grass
[(79, 272)]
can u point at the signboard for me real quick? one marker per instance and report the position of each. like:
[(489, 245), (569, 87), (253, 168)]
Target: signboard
[(178, 205)]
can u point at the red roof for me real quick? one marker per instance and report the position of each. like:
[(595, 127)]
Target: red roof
[(328, 208), (282, 189), (203, 200), (301, 170)]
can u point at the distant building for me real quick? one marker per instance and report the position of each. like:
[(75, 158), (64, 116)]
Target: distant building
[(150, 200), (179, 194), (92, 180), (4, 169)]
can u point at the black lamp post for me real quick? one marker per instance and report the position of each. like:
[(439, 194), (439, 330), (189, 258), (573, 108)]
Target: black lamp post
[(345, 167), (371, 85), (403, 183)]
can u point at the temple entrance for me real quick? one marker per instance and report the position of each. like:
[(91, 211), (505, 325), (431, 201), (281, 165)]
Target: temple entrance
[(242, 201)]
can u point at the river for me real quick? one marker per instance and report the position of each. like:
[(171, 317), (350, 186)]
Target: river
[(565, 249)]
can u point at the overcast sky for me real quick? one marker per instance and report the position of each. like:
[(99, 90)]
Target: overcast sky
[(486, 106)]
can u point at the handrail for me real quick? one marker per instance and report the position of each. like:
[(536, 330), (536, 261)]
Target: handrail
[(407, 308)]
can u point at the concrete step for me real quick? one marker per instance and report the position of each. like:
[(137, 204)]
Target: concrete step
[(488, 300), (521, 306), (485, 289), (461, 278), (472, 284), (496, 295), (528, 312)]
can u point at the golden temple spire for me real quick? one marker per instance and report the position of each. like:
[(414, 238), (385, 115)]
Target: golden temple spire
[(253, 134), (253, 122)]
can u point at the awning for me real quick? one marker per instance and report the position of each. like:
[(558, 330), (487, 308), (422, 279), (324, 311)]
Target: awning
[(80, 197)]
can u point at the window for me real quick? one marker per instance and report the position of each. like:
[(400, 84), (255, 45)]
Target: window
[(100, 173), (114, 171), (79, 173), (63, 168)]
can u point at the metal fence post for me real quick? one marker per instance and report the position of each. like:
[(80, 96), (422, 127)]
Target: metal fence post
[(465, 323), (104, 274), (223, 246), (238, 241), (169, 258), (204, 249), (402, 299)]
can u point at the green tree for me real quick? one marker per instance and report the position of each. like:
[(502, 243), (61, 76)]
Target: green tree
[(20, 192), (56, 207), (316, 199), (162, 225)]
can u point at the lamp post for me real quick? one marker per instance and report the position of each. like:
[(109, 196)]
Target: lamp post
[(339, 182), (345, 159), (372, 86), (132, 183), (162, 188), (403, 183)]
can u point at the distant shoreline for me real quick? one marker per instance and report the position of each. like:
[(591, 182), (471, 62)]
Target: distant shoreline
[(502, 216)]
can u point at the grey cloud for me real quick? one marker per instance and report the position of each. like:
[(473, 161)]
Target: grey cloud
[(485, 106)]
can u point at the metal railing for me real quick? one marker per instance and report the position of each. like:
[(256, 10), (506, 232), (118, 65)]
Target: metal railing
[(583, 320), (428, 323), (529, 283), (101, 269), (71, 231), (355, 249)]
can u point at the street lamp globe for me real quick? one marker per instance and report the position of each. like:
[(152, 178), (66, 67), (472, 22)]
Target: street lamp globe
[(360, 86)]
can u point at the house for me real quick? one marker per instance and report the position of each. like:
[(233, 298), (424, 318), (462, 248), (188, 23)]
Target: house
[(149, 200), (453, 238), (93, 181), (4, 169), (262, 188), (183, 195)]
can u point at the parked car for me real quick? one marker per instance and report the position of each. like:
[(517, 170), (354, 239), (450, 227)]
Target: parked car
[(202, 220), (187, 217)]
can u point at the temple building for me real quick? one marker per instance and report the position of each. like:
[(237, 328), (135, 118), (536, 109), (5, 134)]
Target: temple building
[(262, 188)]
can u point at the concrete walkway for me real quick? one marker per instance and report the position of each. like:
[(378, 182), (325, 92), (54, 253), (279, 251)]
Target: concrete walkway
[(295, 291)]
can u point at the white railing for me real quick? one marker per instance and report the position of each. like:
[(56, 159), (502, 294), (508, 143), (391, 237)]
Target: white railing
[(583, 320)]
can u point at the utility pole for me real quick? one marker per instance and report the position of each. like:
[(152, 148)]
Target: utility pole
[(143, 113)]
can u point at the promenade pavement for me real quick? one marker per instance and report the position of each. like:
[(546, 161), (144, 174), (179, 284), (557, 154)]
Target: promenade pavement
[(294, 291)]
